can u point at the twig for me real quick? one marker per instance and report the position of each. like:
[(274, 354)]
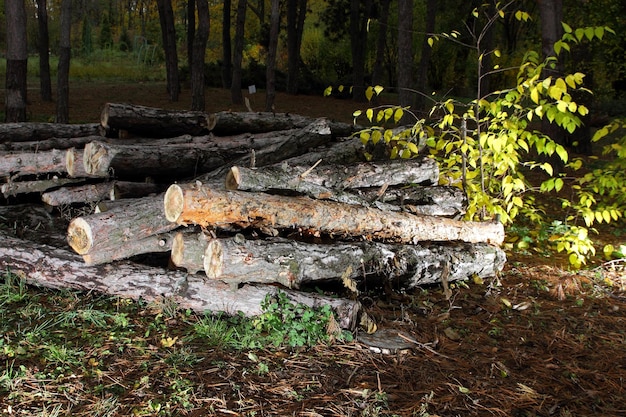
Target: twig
[(423, 346)]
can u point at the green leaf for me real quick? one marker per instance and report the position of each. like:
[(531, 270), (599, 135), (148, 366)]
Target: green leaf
[(599, 32), (369, 93), (328, 91), (376, 136), (378, 89), (558, 184), (534, 95), (369, 113), (397, 115), (562, 153), (412, 147), (589, 33), (566, 28), (357, 113), (430, 42)]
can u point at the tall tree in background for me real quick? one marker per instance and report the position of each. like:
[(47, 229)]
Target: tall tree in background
[(168, 31), (227, 59), (271, 56), (360, 12), (405, 52), (17, 61), (422, 72), (43, 44), (381, 42), (63, 72), (191, 30), (235, 87), (199, 51), (296, 15)]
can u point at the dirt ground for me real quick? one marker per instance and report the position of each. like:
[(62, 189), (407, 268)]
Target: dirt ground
[(536, 341)]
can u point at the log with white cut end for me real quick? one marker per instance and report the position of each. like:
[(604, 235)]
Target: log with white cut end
[(24, 132), (59, 268), (154, 122), (105, 232), (28, 163), (198, 204), (293, 263)]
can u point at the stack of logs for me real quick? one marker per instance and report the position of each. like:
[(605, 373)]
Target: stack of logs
[(245, 203)]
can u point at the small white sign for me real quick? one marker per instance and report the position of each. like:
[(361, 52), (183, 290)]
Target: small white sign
[(252, 89)]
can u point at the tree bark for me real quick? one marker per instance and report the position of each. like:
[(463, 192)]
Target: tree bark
[(381, 42), (191, 31), (270, 74), (14, 188), (294, 264), (26, 163), (227, 63), (48, 144), (159, 243), (405, 56), (43, 45), (63, 71), (360, 12), (58, 268), (24, 132), (104, 232), (199, 51), (154, 122), (16, 61), (168, 31), (197, 204), (88, 193), (235, 88), (421, 84), (296, 14)]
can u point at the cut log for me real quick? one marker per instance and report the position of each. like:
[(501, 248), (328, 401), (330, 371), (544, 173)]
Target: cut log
[(48, 144), (103, 232), (24, 132), (32, 163), (112, 190), (154, 122), (13, 188), (292, 263), (197, 204), (233, 123), (58, 268), (152, 244)]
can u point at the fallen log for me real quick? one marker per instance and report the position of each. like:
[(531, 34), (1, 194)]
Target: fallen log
[(159, 243), (52, 267), (13, 188), (198, 204), (32, 163), (111, 190), (104, 232), (49, 144), (24, 132), (153, 122), (293, 264), (233, 123)]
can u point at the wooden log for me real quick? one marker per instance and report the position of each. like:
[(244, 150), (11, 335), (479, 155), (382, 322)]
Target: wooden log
[(154, 122), (48, 144), (197, 204), (103, 232), (32, 163), (13, 188), (293, 264), (59, 268), (111, 190), (24, 132), (152, 244), (233, 123)]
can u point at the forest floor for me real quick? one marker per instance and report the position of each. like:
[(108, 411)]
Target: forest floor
[(539, 340)]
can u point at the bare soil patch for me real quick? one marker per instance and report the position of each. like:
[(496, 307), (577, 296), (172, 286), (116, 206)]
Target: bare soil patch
[(537, 341)]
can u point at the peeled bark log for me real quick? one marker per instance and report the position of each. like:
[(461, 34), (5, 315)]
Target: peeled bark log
[(26, 163), (58, 268), (24, 132), (197, 204), (88, 193), (292, 263), (154, 122), (13, 188), (106, 231), (233, 123)]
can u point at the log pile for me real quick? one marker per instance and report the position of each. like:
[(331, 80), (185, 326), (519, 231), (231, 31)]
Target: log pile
[(243, 203)]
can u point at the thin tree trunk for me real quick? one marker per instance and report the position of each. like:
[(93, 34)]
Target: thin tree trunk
[(191, 31), (358, 35), (227, 63), (422, 72), (63, 74), (405, 52), (17, 61), (271, 56), (199, 50), (166, 18), (381, 42), (296, 14), (45, 85), (235, 88)]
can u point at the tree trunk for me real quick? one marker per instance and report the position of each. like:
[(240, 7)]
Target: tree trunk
[(235, 88), (296, 14), (63, 72), (359, 14), (104, 232), (270, 77), (43, 44), (112, 190), (191, 31), (199, 49), (227, 63), (294, 264), (198, 204), (422, 72), (381, 42), (58, 268), (405, 56), (168, 31), (153, 122), (16, 61), (24, 132)]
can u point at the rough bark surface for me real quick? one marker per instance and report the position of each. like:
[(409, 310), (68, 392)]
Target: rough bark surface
[(24, 132), (111, 190), (25, 163), (58, 268), (13, 188)]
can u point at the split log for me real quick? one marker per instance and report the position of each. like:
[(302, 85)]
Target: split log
[(293, 264), (112, 190), (49, 144), (13, 188), (104, 232), (233, 123), (24, 132), (197, 204), (32, 163), (154, 122), (58, 268)]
